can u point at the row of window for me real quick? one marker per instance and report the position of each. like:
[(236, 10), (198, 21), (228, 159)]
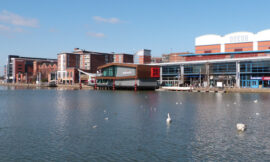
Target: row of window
[(216, 68)]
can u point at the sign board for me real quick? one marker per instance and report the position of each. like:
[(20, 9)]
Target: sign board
[(219, 84), (265, 78), (256, 78), (127, 73)]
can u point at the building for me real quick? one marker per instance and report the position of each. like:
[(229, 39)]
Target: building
[(68, 63), (174, 57), (123, 58), (28, 69), (88, 61), (143, 56), (240, 59), (129, 76), (156, 60)]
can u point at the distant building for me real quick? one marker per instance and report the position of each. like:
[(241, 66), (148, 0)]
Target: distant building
[(174, 57), (28, 69), (156, 60), (123, 58), (69, 63), (143, 56)]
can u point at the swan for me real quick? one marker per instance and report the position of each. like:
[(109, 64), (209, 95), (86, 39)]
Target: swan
[(241, 127), (168, 120)]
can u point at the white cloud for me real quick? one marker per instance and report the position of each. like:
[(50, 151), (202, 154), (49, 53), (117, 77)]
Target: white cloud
[(112, 20), (4, 28), (17, 20), (96, 35)]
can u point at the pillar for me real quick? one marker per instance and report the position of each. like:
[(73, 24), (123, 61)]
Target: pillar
[(160, 76), (182, 74), (237, 76), (207, 79)]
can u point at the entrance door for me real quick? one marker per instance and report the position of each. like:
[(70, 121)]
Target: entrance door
[(254, 84)]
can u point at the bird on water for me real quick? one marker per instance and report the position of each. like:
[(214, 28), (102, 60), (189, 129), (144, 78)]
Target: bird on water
[(241, 127), (168, 120)]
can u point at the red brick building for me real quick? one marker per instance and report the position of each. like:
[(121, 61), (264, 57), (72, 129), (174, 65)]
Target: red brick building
[(123, 58), (26, 69)]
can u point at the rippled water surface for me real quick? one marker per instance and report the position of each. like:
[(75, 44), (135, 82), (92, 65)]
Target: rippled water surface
[(66, 125)]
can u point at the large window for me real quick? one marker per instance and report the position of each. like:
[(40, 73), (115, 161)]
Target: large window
[(222, 68), (109, 71)]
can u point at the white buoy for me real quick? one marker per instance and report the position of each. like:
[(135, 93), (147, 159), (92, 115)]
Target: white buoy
[(94, 126), (168, 120), (241, 127), (255, 101)]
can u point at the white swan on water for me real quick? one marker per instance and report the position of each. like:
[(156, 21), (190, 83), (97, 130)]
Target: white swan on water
[(241, 127), (168, 120)]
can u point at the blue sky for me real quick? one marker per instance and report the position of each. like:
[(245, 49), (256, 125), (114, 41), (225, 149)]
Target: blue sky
[(45, 28)]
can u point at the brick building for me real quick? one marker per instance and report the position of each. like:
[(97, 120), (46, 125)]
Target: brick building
[(123, 58), (143, 56), (26, 69), (69, 63)]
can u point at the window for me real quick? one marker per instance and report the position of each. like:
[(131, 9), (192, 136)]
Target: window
[(208, 51), (238, 49), (155, 72)]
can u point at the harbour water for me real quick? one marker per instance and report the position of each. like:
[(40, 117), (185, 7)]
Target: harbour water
[(87, 125)]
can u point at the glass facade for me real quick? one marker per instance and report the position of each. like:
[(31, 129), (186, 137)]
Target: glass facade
[(253, 74), (109, 71)]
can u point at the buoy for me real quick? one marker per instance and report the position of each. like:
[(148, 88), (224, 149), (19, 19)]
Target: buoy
[(168, 120), (255, 101), (94, 126), (241, 127)]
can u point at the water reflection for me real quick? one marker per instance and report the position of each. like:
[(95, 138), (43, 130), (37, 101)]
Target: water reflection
[(57, 125)]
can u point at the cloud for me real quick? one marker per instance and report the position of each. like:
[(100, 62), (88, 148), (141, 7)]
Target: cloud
[(112, 20), (17, 20), (96, 35), (4, 28)]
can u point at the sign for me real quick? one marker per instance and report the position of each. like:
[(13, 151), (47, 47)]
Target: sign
[(265, 78), (127, 72), (238, 38), (219, 84), (155, 72), (256, 78)]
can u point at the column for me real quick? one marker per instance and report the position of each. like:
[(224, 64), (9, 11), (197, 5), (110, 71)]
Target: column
[(237, 76), (160, 76), (207, 74), (182, 74)]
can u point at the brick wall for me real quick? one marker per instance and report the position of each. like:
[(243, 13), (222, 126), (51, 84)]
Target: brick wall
[(264, 45), (239, 47), (208, 49)]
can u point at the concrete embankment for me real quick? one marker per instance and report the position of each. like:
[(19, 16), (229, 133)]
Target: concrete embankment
[(60, 86), (217, 90)]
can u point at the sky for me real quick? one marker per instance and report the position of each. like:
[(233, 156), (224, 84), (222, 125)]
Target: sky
[(44, 28)]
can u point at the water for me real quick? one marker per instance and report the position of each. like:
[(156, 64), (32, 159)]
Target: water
[(66, 125)]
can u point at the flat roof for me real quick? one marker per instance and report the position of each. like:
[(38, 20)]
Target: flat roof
[(226, 53), (261, 58)]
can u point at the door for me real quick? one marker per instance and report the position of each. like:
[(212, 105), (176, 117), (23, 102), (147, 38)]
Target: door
[(254, 84)]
